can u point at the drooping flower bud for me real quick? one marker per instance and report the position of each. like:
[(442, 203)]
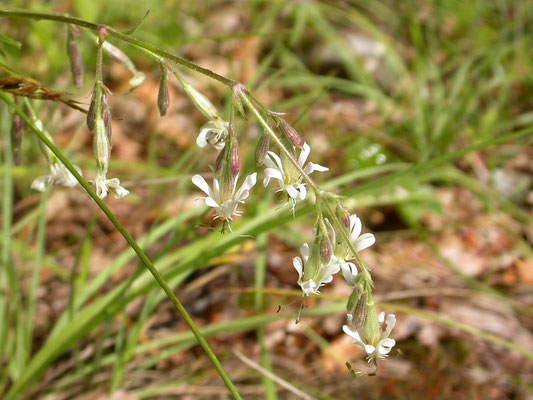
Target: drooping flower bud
[(76, 64), (290, 133), (261, 151), (201, 102), (163, 99), (343, 215), (121, 57), (237, 90)]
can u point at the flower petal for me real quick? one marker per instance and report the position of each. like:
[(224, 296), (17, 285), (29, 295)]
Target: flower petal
[(311, 167), (244, 191), (391, 323), (292, 192), (349, 271), (199, 181), (304, 154), (385, 346), (364, 242), (209, 202), (298, 266), (355, 227), (305, 251)]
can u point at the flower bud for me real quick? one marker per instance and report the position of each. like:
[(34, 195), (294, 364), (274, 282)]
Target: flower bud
[(121, 57), (201, 102), (235, 159), (163, 99), (236, 93), (76, 64), (343, 215), (261, 151), (290, 133)]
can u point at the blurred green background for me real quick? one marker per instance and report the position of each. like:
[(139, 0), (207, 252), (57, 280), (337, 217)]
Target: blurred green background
[(422, 110)]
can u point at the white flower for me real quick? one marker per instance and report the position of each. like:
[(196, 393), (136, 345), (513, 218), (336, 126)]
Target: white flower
[(225, 206), (59, 175), (103, 186), (312, 273), (343, 252), (384, 344), (290, 179), (213, 132)]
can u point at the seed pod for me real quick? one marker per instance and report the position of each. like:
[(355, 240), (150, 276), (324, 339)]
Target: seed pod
[(235, 159), (163, 99), (290, 133), (76, 64), (261, 151), (91, 114), (16, 138)]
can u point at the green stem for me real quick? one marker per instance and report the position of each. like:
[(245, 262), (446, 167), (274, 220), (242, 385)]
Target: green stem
[(133, 244), (110, 32)]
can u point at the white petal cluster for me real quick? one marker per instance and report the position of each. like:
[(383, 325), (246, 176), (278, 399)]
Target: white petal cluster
[(343, 252), (225, 206), (214, 133), (384, 344), (102, 186), (59, 175), (288, 177), (312, 272)]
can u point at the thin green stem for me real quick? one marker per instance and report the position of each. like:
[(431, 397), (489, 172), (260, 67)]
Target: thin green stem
[(110, 32), (133, 244)]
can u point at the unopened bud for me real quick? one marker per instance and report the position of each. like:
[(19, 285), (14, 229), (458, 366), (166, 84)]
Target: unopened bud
[(121, 57), (290, 133), (163, 99), (235, 159), (16, 138), (102, 33), (201, 102), (236, 93), (343, 215), (261, 151), (76, 64)]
